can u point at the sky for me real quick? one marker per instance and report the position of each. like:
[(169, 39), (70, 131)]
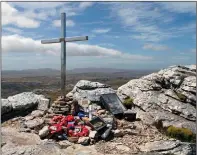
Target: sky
[(124, 35)]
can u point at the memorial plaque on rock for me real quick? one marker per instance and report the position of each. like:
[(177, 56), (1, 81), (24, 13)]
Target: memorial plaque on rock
[(112, 103)]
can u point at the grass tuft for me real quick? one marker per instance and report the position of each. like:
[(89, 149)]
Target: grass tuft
[(182, 134)]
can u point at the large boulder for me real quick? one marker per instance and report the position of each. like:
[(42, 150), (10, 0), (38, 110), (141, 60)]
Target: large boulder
[(89, 90), (6, 106), (22, 102), (168, 96)]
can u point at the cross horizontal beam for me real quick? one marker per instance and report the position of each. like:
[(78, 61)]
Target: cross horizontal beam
[(71, 39)]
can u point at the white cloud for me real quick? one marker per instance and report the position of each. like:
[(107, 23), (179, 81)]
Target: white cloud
[(12, 16), (84, 5), (13, 30), (101, 30), (34, 13), (180, 7), (155, 47), (146, 21), (22, 44), (69, 23)]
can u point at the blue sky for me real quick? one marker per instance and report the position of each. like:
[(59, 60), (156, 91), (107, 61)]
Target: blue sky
[(129, 35)]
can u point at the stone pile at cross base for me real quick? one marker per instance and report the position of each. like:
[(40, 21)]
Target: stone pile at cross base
[(167, 98)]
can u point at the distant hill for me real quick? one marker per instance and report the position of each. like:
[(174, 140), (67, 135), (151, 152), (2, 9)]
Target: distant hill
[(54, 72), (30, 72)]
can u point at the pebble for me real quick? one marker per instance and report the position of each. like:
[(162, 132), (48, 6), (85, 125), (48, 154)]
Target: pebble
[(37, 113), (117, 133), (27, 118), (44, 132), (92, 134), (84, 140), (64, 144), (123, 148)]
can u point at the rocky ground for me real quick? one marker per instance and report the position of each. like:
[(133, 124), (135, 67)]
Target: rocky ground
[(168, 97), (165, 98)]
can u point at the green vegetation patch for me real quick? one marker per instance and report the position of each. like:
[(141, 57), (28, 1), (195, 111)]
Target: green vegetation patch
[(182, 134), (181, 96), (128, 102)]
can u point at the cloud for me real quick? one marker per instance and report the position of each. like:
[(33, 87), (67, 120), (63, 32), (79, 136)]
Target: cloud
[(23, 44), (155, 47), (33, 14), (12, 16), (84, 5), (180, 7), (69, 23), (13, 30), (143, 20), (101, 30)]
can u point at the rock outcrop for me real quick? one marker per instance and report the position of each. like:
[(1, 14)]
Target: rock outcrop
[(167, 97), (174, 147), (23, 102), (89, 90)]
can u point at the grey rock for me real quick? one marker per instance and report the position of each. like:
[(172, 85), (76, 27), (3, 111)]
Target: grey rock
[(185, 110), (159, 146), (92, 134), (117, 133), (123, 148), (24, 100), (24, 130), (168, 147), (156, 98), (43, 104), (89, 90), (37, 113), (64, 144), (30, 144), (83, 140), (20, 102), (44, 132), (34, 123), (27, 118), (6, 106)]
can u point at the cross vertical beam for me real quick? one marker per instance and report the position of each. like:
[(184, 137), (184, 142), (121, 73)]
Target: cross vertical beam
[(63, 41), (63, 54)]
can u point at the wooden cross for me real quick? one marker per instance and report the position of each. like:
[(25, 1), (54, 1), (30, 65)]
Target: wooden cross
[(63, 41)]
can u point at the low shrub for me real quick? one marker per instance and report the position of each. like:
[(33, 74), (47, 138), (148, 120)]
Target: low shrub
[(181, 97), (128, 102), (182, 134)]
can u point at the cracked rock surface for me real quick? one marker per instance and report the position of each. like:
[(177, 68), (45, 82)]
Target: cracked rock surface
[(89, 90), (168, 96)]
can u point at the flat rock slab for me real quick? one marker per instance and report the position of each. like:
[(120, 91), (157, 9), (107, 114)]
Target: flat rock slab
[(11, 135), (159, 146), (16, 143), (92, 91)]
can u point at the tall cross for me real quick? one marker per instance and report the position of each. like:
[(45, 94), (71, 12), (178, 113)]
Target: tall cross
[(63, 41)]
